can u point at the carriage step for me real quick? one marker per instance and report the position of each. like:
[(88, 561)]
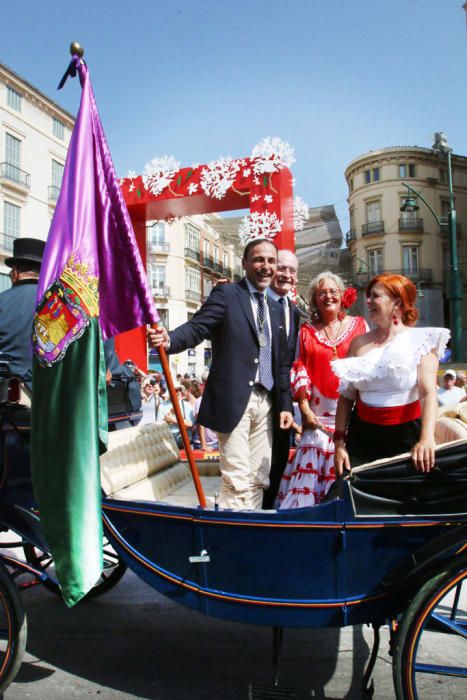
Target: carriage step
[(262, 691)]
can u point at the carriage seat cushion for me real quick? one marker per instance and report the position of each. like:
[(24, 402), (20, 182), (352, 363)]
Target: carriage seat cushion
[(452, 424), (144, 453)]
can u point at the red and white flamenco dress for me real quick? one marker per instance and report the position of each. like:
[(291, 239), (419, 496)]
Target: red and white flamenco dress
[(308, 477)]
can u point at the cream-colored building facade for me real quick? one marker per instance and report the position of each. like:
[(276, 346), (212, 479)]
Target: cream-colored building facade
[(185, 259), (34, 136), (382, 238)]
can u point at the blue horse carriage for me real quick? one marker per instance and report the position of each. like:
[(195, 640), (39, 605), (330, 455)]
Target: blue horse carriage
[(388, 548)]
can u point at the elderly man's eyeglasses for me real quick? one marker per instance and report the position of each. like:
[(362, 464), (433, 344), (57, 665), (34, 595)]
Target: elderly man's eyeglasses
[(286, 268)]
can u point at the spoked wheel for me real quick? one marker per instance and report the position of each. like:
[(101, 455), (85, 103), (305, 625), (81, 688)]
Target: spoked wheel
[(430, 656), (13, 630), (114, 568)]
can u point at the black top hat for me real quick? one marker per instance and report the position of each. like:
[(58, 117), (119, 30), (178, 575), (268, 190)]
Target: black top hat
[(26, 250)]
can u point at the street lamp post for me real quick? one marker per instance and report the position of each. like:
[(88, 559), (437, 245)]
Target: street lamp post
[(454, 282)]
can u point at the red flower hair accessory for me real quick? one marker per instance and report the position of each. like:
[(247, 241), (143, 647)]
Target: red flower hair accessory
[(349, 297)]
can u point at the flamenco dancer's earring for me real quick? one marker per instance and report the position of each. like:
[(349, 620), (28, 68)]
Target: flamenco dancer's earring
[(395, 320)]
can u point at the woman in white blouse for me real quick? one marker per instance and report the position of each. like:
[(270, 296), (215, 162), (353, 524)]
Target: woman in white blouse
[(388, 385)]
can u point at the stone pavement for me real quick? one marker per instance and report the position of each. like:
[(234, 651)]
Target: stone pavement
[(134, 643)]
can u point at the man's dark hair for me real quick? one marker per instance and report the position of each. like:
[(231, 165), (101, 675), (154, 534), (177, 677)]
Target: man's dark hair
[(253, 243), (27, 266)]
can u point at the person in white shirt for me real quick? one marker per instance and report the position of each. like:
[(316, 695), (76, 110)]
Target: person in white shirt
[(449, 395), (167, 414)]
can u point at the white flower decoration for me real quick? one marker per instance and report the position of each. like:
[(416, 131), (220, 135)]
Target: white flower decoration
[(271, 155), (218, 176), (300, 213), (192, 187), (131, 174), (268, 198), (259, 225), (131, 187), (255, 198), (246, 172), (159, 173)]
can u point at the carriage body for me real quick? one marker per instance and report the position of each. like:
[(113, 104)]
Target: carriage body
[(361, 557), (311, 567)]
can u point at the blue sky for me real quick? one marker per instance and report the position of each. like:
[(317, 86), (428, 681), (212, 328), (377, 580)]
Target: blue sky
[(199, 80)]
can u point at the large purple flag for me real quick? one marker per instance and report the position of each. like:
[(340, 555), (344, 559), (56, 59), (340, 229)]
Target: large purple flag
[(91, 222), (92, 286)]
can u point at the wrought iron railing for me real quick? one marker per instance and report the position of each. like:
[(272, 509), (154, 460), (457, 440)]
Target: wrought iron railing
[(411, 225), (372, 227), (193, 254), (207, 261), (15, 174)]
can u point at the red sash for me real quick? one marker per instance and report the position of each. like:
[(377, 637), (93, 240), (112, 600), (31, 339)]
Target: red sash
[(388, 415)]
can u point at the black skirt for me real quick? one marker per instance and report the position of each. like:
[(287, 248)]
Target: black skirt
[(369, 441)]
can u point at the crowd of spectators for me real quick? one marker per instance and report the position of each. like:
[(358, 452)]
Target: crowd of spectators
[(157, 407)]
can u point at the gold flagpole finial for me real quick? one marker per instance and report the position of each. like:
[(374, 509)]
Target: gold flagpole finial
[(76, 49)]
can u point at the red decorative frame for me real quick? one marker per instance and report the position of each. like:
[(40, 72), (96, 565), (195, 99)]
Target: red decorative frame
[(266, 193)]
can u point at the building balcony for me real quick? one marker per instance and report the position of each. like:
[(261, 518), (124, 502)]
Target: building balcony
[(350, 236), (445, 230), (161, 292), (154, 248), (207, 262), (372, 227), (6, 243), (411, 225), (192, 254), (13, 174), (227, 272), (53, 193), (218, 268), (192, 296), (361, 279)]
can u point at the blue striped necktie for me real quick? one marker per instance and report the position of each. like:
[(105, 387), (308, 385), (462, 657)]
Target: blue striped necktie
[(264, 339)]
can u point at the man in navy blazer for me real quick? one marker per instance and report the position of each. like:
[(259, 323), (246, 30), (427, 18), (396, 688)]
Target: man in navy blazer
[(18, 304), (283, 282), (235, 402)]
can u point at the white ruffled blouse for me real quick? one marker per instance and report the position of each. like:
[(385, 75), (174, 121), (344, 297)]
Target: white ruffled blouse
[(387, 375)]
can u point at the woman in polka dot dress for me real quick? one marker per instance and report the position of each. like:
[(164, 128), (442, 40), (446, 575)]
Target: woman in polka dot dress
[(307, 479)]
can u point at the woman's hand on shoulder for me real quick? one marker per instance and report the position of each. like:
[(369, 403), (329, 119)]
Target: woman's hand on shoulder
[(423, 455)]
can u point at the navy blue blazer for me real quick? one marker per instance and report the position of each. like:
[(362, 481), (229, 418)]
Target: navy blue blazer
[(293, 330), (226, 318), (17, 308)]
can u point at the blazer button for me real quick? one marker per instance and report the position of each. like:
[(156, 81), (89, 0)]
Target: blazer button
[(250, 383), (256, 360)]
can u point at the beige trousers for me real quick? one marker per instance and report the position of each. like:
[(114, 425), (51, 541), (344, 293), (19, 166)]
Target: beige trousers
[(245, 456)]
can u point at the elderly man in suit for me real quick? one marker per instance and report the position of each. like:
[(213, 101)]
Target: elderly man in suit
[(248, 385), (18, 304), (283, 282)]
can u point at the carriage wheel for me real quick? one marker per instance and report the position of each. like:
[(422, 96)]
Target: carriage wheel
[(114, 568), (13, 630), (435, 621)]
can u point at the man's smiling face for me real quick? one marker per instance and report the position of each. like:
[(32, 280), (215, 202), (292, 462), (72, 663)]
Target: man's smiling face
[(260, 265)]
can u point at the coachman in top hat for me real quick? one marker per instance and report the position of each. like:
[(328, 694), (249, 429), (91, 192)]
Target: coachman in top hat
[(17, 306)]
